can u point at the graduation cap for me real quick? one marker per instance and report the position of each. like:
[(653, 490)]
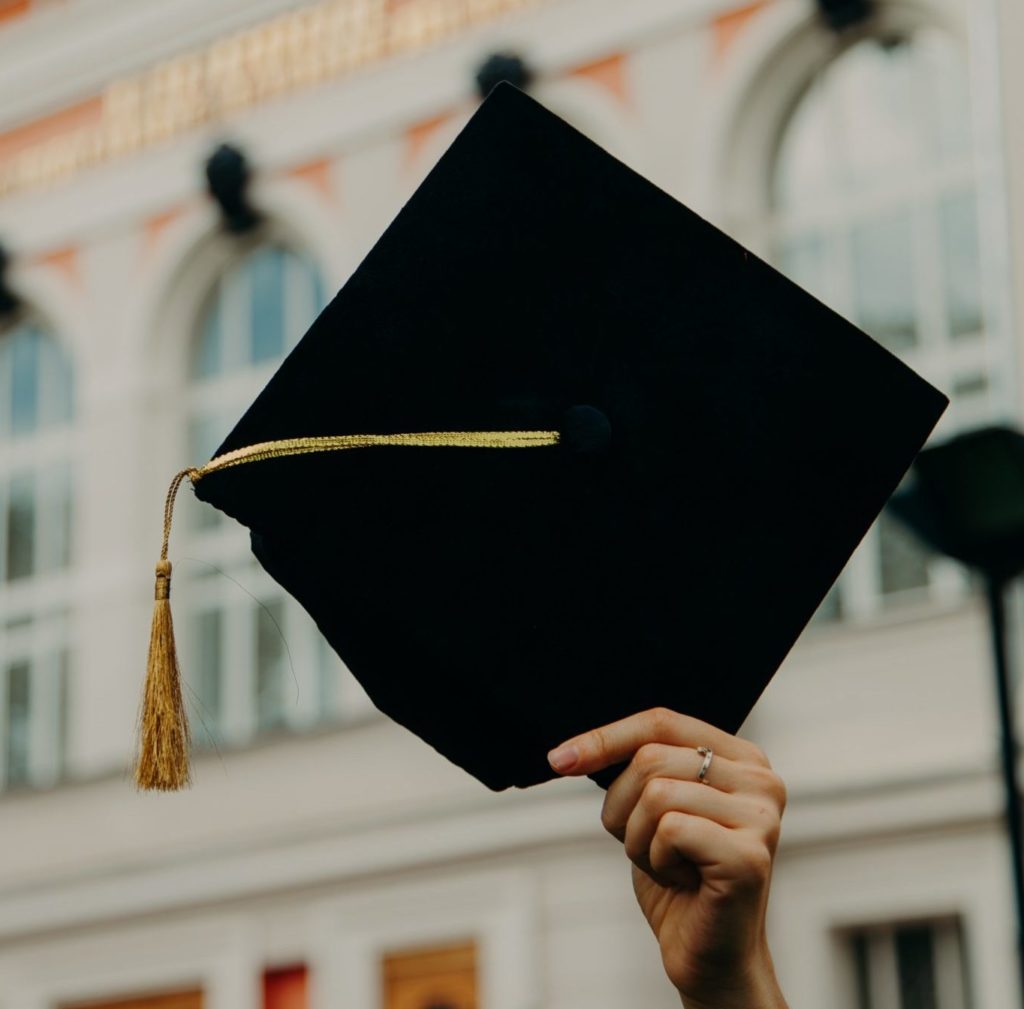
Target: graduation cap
[(558, 451)]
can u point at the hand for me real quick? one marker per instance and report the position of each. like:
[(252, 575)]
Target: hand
[(702, 856)]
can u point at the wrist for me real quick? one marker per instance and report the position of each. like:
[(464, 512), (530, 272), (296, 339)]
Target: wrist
[(754, 988)]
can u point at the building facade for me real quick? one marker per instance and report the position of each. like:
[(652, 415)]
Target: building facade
[(325, 858)]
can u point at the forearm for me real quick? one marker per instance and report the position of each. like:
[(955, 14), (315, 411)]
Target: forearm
[(770, 998)]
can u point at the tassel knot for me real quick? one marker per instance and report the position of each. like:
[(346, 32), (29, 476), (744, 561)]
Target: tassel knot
[(163, 580)]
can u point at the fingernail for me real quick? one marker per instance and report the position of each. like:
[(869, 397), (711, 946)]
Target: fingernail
[(564, 758)]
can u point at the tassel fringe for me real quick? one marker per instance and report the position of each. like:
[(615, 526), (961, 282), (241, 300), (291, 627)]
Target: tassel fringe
[(164, 739)]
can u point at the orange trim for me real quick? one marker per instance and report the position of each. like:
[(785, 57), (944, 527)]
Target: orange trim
[(318, 175), (610, 74), (85, 113), (11, 9), (155, 226), (728, 27), (64, 261), (417, 138)]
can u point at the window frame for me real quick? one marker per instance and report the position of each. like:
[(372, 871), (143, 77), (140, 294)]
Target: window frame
[(214, 556), (769, 82), (859, 593), (36, 609), (951, 969)]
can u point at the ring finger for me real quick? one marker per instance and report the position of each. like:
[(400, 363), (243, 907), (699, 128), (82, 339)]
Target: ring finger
[(656, 760)]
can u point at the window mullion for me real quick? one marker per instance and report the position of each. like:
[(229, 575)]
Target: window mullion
[(42, 706), (294, 308), (861, 588), (238, 668), (6, 397), (222, 395), (5, 727), (949, 974), (300, 660), (859, 584), (44, 521), (930, 296), (884, 977), (234, 318), (4, 506)]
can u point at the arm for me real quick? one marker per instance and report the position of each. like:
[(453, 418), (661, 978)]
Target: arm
[(702, 856)]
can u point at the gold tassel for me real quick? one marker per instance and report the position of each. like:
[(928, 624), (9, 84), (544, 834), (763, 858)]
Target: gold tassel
[(163, 750)]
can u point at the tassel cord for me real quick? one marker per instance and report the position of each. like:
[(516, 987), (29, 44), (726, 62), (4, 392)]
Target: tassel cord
[(172, 492)]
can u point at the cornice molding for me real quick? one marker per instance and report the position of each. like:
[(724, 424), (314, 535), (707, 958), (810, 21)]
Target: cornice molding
[(513, 824)]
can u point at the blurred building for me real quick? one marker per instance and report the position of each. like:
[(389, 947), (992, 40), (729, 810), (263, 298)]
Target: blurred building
[(325, 858)]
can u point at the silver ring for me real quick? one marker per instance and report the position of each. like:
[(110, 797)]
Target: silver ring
[(702, 774)]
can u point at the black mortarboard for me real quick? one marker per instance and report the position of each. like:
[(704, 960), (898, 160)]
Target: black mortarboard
[(723, 443)]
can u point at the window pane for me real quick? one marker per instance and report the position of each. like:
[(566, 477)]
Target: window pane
[(270, 665), (63, 685), (904, 561), (207, 666), (17, 728), (830, 608), (208, 356), (961, 271), (885, 109), (883, 268), (55, 395), (53, 519), (205, 433), (969, 385), (304, 296), (328, 679), (21, 523), (265, 270), (319, 300), (25, 380), (62, 530), (916, 962), (803, 260), (805, 168), (971, 395), (948, 103), (880, 129)]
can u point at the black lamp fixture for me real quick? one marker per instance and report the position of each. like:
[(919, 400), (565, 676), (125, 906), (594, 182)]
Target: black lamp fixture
[(965, 499), (227, 180), (502, 66), (842, 14), (8, 299)]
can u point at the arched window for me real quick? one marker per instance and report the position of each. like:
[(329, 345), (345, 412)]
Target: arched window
[(36, 408), (875, 211), (254, 661)]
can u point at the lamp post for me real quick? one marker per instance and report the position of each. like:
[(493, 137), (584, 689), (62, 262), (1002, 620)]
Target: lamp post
[(965, 499)]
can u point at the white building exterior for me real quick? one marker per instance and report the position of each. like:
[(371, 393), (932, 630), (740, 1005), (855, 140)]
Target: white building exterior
[(318, 833)]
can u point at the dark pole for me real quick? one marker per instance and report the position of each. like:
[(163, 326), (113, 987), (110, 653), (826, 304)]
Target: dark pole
[(996, 589)]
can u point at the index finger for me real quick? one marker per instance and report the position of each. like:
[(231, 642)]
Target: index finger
[(616, 742)]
